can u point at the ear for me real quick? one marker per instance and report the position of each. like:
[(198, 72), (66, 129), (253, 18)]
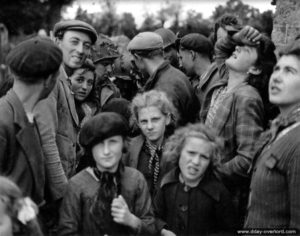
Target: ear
[(168, 119), (254, 70), (193, 54)]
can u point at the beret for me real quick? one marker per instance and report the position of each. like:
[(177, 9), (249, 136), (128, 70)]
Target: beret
[(167, 35), (104, 50), (76, 25), (35, 57), (145, 41), (197, 42), (102, 126)]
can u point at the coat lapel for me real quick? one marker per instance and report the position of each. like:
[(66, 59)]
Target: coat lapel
[(135, 149), (27, 137), (69, 95)]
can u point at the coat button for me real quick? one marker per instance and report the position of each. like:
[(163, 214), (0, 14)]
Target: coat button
[(183, 208)]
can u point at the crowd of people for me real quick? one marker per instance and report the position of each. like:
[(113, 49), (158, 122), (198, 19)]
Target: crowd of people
[(157, 135)]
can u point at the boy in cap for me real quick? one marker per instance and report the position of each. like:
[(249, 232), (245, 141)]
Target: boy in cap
[(195, 53), (34, 65), (147, 51), (106, 198), (74, 38)]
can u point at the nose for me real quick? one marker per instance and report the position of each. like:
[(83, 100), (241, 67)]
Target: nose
[(106, 149), (79, 48), (196, 160), (84, 85), (149, 125), (276, 76)]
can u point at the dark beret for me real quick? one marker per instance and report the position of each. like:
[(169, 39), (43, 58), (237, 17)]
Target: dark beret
[(76, 25), (197, 42), (102, 126), (34, 58)]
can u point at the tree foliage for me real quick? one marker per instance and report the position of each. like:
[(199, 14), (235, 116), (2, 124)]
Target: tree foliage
[(24, 17), (236, 7)]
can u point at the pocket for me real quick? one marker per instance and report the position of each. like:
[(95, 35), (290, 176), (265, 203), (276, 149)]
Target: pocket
[(271, 161)]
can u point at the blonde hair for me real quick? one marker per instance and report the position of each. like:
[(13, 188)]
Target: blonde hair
[(157, 99), (177, 141)]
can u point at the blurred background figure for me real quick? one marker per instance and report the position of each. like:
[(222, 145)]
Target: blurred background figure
[(169, 46)]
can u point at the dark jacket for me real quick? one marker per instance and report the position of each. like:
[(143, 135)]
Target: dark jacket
[(21, 155), (203, 210), (179, 90), (75, 216)]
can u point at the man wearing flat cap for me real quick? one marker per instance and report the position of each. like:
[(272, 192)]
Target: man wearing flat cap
[(147, 51), (34, 65), (195, 53), (75, 39)]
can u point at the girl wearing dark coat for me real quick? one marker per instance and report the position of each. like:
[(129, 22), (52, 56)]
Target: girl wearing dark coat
[(191, 200), (106, 198)]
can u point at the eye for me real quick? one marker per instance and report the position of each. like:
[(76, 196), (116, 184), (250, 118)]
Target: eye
[(156, 119), (90, 82), (87, 46), (74, 42)]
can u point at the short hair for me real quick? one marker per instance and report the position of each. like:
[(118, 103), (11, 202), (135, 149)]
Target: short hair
[(157, 99), (176, 142)]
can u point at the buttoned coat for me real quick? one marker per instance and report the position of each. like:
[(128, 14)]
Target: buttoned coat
[(21, 155), (206, 209)]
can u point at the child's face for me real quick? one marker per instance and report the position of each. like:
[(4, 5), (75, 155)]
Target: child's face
[(5, 221), (194, 160), (107, 153)]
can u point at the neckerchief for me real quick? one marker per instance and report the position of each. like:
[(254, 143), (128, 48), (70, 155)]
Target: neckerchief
[(154, 161), (109, 188)]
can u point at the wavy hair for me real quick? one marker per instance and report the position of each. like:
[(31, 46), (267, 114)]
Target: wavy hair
[(177, 141), (157, 99)]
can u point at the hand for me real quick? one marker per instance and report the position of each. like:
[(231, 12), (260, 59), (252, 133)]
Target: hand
[(121, 214), (165, 232), (248, 36)]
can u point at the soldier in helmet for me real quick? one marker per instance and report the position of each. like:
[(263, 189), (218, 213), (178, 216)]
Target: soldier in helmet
[(104, 54)]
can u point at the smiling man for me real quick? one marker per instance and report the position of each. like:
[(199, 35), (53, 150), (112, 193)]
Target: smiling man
[(75, 39)]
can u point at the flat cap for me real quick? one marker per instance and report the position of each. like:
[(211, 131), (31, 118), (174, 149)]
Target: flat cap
[(102, 126), (197, 42), (76, 25), (169, 38), (145, 41), (35, 57)]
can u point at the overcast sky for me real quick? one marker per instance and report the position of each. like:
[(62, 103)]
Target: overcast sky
[(138, 8)]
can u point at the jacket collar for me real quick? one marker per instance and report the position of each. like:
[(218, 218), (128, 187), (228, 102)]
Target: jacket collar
[(154, 77), (19, 112), (209, 184)]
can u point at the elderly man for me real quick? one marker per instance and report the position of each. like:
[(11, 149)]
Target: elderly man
[(75, 39), (147, 51), (34, 65)]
